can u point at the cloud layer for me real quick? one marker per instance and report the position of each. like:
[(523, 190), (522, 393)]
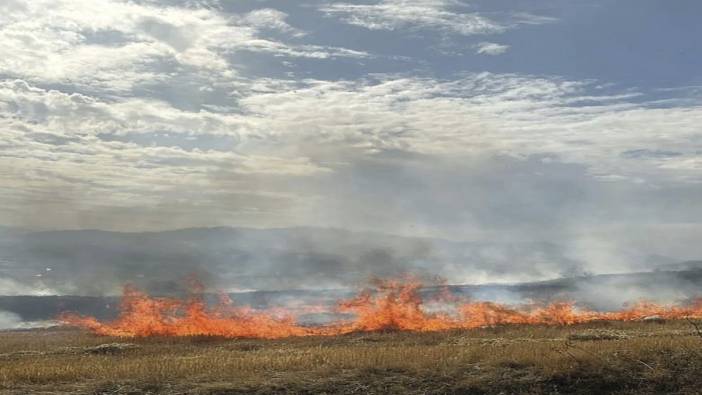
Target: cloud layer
[(134, 115)]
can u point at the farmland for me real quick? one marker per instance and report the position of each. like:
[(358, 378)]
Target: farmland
[(609, 357)]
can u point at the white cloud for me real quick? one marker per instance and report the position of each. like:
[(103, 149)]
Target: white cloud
[(447, 16), (115, 45), (403, 14), (49, 136), (267, 18), (59, 41), (59, 150), (74, 124), (487, 48), (504, 114)]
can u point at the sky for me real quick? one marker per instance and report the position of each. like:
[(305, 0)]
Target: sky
[(571, 121)]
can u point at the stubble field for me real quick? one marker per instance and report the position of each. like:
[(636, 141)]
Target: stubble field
[(602, 357)]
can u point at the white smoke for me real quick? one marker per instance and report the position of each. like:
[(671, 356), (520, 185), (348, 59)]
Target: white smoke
[(9, 320), (34, 287)]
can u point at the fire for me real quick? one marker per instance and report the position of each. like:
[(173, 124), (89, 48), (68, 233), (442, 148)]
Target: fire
[(389, 305), (142, 316)]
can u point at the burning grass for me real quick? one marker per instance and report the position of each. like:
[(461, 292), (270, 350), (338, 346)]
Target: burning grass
[(389, 305), (642, 357)]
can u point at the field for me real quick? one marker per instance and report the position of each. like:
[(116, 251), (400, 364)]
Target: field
[(603, 357)]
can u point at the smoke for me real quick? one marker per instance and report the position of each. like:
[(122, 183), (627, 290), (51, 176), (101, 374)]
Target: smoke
[(234, 259), (612, 292), (12, 321), (470, 219), (9, 320), (99, 263)]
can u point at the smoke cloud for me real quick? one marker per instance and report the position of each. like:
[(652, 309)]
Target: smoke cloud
[(9, 320)]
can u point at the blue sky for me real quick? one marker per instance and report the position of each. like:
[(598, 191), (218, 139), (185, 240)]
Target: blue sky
[(644, 44), (569, 121)]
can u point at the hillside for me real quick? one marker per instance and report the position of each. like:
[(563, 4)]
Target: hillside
[(91, 262)]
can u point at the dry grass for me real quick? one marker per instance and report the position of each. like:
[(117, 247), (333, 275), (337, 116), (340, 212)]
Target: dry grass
[(600, 358)]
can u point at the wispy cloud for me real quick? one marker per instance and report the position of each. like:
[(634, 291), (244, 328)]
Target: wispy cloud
[(487, 48), (520, 115), (446, 16), (267, 18), (402, 14)]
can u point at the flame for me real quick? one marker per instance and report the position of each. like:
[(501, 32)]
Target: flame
[(389, 305)]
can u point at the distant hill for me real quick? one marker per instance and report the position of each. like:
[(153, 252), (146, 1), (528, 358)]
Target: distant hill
[(93, 262), (682, 266)]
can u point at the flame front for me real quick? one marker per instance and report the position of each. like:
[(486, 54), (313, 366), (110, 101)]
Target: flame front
[(390, 305)]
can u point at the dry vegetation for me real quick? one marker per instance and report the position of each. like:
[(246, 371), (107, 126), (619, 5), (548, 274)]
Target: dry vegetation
[(593, 358)]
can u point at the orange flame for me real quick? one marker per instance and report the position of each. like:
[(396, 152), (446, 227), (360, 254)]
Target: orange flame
[(390, 305)]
